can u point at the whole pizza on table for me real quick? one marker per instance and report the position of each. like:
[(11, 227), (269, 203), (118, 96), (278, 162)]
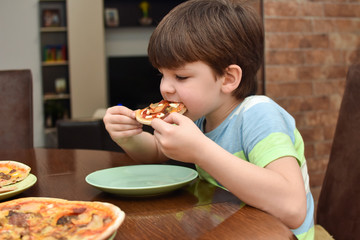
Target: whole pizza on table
[(41, 218), (52, 218), (159, 110), (12, 172)]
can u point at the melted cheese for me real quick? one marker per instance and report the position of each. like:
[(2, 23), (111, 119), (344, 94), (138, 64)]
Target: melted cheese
[(160, 115), (174, 105)]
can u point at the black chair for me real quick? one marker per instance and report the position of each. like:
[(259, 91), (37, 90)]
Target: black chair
[(338, 209), (16, 109), (91, 134), (85, 134)]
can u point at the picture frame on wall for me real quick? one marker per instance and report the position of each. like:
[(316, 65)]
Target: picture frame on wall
[(111, 17), (51, 18)]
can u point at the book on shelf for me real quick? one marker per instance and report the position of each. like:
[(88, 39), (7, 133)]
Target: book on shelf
[(54, 53)]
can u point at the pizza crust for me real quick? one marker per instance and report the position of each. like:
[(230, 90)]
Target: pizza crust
[(140, 119), (119, 218)]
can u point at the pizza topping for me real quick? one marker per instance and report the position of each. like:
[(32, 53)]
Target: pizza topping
[(17, 218), (154, 111), (159, 110), (160, 107), (73, 215), (63, 220), (4, 176), (96, 222), (174, 105), (79, 210), (160, 115)]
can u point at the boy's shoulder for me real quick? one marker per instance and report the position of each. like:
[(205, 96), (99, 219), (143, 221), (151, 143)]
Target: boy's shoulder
[(250, 102), (261, 109)]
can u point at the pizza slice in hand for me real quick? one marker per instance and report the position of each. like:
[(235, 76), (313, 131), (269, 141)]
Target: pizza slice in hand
[(159, 110)]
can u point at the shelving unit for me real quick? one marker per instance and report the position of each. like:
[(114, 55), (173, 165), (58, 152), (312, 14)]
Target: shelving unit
[(127, 63), (53, 29), (72, 32), (130, 12), (55, 65)]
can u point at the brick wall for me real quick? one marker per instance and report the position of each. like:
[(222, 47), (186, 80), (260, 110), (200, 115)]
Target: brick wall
[(309, 45)]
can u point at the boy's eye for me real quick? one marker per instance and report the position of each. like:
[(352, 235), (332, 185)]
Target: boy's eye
[(181, 77)]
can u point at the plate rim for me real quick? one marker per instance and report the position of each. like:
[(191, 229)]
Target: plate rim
[(193, 171)]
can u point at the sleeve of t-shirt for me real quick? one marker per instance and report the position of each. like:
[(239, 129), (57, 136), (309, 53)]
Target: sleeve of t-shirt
[(268, 133)]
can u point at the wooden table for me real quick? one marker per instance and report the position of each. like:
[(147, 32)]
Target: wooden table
[(197, 211)]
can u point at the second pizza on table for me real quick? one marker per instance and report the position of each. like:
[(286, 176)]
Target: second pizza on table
[(12, 172)]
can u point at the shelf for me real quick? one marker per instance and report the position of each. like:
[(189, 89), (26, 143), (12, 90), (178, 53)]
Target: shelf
[(50, 130), (53, 29), (54, 96), (54, 63), (52, 1), (129, 13)]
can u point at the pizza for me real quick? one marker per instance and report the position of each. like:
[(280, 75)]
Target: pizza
[(53, 218), (159, 110), (12, 172)]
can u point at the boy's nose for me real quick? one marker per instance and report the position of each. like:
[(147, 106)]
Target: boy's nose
[(166, 87)]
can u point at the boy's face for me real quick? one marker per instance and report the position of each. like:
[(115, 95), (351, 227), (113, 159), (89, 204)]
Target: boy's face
[(194, 84)]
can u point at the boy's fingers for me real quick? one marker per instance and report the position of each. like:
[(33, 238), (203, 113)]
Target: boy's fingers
[(157, 123)]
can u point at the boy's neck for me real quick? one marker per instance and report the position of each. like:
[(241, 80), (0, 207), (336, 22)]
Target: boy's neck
[(214, 119)]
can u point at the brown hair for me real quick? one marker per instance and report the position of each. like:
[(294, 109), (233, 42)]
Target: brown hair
[(217, 32)]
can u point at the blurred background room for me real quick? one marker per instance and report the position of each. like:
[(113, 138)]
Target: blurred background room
[(77, 50)]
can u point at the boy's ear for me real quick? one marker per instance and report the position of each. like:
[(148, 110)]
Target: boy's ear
[(232, 78)]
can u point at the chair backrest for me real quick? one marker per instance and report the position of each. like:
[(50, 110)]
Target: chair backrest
[(16, 109), (84, 134), (339, 203)]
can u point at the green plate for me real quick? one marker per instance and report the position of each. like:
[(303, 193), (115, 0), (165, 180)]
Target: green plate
[(141, 180), (28, 182)]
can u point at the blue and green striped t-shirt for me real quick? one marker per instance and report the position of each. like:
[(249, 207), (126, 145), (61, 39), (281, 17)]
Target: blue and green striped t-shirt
[(260, 131)]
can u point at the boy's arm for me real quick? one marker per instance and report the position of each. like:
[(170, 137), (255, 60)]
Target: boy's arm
[(277, 189), (123, 128), (142, 148)]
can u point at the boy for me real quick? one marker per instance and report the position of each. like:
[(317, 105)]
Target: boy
[(208, 52)]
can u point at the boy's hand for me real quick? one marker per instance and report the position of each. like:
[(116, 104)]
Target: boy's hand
[(178, 137), (121, 124)]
